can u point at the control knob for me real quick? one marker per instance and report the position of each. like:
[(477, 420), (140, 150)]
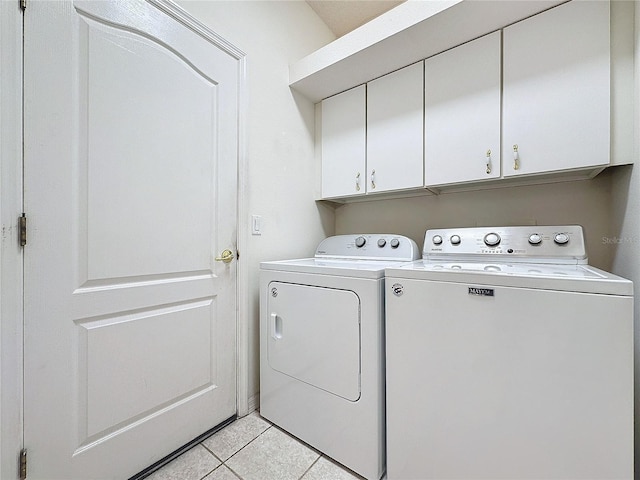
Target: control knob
[(535, 239), (395, 243), (382, 242), (360, 241), (561, 238), (492, 239), (437, 240), (455, 239)]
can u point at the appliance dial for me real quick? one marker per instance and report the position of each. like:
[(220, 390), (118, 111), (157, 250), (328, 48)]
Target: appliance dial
[(360, 241), (437, 240), (492, 239), (561, 238), (395, 243), (535, 239), (382, 242), (455, 239)]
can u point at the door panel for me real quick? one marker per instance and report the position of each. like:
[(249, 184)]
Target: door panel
[(130, 189), (557, 89), (126, 151), (344, 143)]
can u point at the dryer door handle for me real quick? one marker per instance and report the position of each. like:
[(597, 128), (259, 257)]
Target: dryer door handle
[(276, 326)]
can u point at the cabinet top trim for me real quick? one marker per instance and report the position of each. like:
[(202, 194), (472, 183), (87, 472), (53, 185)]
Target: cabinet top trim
[(406, 34)]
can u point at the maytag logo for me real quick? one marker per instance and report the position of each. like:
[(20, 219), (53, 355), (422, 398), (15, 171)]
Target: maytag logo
[(481, 292)]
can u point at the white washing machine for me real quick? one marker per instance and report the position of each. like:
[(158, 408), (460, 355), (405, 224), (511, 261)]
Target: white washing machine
[(322, 346), (508, 357)]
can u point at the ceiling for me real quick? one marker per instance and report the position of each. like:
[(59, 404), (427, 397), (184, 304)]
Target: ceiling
[(342, 16)]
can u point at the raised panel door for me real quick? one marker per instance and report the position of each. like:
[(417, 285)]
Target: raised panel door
[(131, 132)]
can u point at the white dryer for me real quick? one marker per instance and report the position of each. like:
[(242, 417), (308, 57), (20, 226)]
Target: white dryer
[(322, 346), (508, 357)]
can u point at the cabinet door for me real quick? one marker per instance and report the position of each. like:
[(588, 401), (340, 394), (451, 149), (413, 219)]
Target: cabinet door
[(343, 143), (462, 113), (394, 130), (556, 97)]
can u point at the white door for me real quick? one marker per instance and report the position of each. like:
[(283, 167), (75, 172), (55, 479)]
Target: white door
[(395, 126), (344, 137), (462, 113), (557, 90), (130, 190)]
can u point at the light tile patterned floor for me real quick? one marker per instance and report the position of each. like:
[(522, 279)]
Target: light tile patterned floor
[(252, 449)]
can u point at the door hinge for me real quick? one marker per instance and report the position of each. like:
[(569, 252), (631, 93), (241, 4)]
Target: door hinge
[(23, 5), (23, 230), (23, 464)]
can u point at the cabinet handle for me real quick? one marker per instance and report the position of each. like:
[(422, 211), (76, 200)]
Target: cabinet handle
[(373, 179), (488, 162), (358, 182), (516, 158)]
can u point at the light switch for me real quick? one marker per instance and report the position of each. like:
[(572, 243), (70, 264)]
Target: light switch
[(256, 225)]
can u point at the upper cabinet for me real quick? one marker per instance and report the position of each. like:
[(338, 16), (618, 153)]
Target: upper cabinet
[(394, 130), (462, 113), (544, 98), (556, 92), (343, 143)]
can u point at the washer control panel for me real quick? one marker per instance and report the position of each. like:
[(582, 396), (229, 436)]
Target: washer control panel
[(563, 243), (379, 246)]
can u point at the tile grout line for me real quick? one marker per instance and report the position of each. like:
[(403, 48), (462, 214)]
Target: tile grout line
[(242, 448), (211, 452), (310, 467), (223, 462), (246, 445)]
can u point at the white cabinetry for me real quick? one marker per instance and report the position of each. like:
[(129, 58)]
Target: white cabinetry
[(343, 143), (394, 130), (556, 97), (462, 113)]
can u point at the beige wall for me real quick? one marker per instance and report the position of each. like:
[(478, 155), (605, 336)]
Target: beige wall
[(279, 132), (585, 202)]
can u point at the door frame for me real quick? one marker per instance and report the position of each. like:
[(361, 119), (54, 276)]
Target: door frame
[(11, 207), (11, 265)]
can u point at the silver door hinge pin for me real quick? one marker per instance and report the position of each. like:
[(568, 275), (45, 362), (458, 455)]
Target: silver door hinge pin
[(23, 464), (23, 5), (23, 230)]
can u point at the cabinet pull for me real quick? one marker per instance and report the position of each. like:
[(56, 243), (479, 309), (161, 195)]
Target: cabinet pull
[(373, 179), (516, 158), (488, 162), (358, 182)]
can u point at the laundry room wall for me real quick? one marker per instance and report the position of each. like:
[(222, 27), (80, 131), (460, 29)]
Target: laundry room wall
[(623, 240), (279, 136), (584, 202)]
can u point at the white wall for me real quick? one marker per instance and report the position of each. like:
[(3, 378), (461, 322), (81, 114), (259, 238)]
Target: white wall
[(279, 129), (625, 250)]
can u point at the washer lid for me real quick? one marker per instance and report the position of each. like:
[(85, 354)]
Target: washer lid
[(569, 278), (337, 267)]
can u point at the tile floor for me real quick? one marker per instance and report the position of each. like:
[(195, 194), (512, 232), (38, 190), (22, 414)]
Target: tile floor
[(251, 448)]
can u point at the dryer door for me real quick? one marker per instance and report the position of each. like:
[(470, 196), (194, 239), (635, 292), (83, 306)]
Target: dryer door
[(314, 336)]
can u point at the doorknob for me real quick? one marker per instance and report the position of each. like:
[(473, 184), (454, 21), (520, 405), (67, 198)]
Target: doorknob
[(226, 256)]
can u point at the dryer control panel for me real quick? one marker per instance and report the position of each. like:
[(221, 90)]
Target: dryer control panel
[(369, 246), (535, 244)]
